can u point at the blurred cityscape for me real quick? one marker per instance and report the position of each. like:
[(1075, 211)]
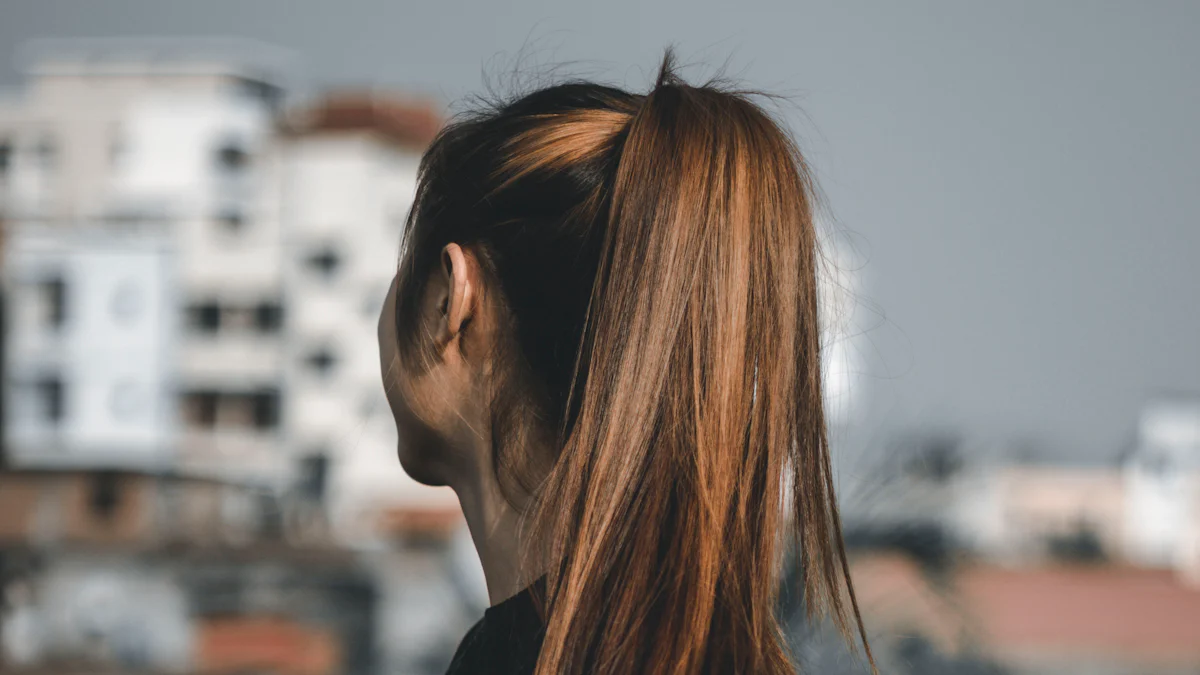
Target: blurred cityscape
[(198, 470)]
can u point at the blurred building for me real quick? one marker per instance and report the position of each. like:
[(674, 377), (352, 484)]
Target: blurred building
[(348, 168), (1142, 508), (217, 588), (163, 144), (1162, 482), (1035, 620), (89, 358), (193, 276), (246, 350)]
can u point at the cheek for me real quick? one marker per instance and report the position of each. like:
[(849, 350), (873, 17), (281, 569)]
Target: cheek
[(420, 448)]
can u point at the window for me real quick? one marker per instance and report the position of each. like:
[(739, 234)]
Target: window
[(268, 317), (53, 297), (105, 494), (49, 391), (324, 261), (204, 317), (257, 90), (200, 409), (266, 408), (232, 157), (321, 361), (206, 409), (211, 317), (314, 468), (6, 151), (231, 220)]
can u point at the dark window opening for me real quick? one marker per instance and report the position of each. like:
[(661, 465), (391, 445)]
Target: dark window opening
[(232, 157), (1081, 545), (105, 494), (231, 220), (314, 470), (268, 317), (50, 394), (200, 409), (322, 361), (54, 299), (325, 261), (204, 317), (270, 515), (266, 409), (6, 151), (258, 90)]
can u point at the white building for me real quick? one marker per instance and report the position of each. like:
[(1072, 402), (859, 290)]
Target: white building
[(1162, 483), (174, 137), (1143, 510), (89, 356), (281, 235), (349, 171)]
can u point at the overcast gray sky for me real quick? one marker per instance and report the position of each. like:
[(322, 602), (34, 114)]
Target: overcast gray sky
[(1023, 177)]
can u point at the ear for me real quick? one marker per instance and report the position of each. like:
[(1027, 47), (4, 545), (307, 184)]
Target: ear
[(461, 284)]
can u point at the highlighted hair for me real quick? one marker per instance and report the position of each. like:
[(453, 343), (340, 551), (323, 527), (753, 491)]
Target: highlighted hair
[(656, 257)]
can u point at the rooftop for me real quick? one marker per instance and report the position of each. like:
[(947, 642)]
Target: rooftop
[(1102, 612), (161, 56), (407, 123)]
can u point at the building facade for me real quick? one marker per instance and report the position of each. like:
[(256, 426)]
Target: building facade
[(276, 236), (349, 170), (140, 169), (89, 356)]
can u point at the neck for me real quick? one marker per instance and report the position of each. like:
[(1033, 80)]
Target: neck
[(495, 529)]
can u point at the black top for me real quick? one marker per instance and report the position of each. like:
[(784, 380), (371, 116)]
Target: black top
[(506, 641)]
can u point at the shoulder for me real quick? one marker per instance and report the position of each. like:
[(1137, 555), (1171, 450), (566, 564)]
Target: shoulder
[(506, 641), (469, 657)]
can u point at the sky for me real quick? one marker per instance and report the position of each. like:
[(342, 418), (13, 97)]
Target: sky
[(1019, 181)]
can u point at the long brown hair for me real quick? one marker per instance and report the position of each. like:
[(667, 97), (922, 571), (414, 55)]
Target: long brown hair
[(657, 261)]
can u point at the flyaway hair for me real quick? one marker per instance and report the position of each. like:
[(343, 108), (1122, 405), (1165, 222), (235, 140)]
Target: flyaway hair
[(657, 258)]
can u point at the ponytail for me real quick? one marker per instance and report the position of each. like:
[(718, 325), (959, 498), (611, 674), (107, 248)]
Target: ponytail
[(703, 392), (684, 377)]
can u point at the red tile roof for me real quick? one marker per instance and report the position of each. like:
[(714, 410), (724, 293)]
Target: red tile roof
[(1109, 612), (265, 643), (1114, 610), (408, 123)]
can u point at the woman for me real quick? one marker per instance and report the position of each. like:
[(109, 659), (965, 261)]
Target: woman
[(603, 336)]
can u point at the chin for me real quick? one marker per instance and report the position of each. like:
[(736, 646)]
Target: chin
[(418, 465)]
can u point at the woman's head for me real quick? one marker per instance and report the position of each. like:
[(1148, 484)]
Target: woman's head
[(609, 301), (523, 241)]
